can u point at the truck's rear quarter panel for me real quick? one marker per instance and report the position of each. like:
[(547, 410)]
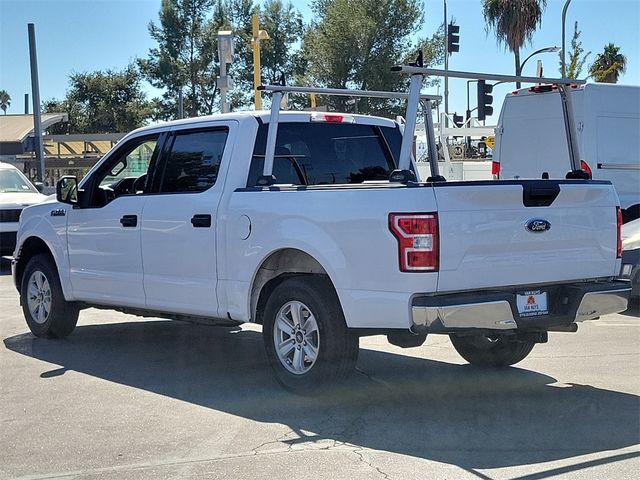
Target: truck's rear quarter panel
[(346, 231)]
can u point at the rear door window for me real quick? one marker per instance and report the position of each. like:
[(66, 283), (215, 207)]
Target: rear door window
[(193, 161), (326, 153)]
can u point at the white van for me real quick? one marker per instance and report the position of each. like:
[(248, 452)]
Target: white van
[(530, 137)]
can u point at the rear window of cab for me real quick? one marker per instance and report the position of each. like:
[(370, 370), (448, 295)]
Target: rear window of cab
[(328, 153)]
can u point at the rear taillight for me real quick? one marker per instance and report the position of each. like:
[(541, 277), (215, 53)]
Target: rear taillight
[(417, 235), (619, 239), (585, 166), (495, 170)]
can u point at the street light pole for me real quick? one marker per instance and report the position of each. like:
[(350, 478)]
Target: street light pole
[(35, 91), (446, 66), (225, 54), (564, 15), (542, 50)]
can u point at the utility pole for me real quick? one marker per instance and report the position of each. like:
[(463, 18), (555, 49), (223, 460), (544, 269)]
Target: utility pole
[(257, 36), (446, 67), (564, 16), (35, 91)]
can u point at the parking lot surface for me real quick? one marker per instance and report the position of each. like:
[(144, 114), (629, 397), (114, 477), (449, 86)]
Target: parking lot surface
[(129, 398)]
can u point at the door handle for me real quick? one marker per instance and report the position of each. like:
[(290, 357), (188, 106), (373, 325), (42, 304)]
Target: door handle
[(201, 221), (129, 221)]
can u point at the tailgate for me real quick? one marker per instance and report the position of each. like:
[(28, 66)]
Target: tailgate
[(485, 242)]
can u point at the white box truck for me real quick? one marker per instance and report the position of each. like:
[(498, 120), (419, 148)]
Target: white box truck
[(530, 137)]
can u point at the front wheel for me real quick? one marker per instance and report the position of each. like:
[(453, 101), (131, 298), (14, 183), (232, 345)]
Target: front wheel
[(47, 313), (305, 335), (491, 350)]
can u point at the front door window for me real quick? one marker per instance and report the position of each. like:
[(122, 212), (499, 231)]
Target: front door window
[(126, 173)]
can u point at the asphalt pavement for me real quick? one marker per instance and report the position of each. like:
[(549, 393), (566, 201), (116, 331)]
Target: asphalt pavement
[(129, 398)]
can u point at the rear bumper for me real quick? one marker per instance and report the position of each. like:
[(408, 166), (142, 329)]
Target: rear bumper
[(498, 311)]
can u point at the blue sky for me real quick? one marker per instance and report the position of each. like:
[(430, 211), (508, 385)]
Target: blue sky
[(87, 35)]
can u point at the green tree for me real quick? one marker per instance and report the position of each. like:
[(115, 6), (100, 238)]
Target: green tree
[(608, 65), (54, 105), (577, 57), (103, 102), (5, 100), (285, 27), (281, 53), (354, 44), (513, 22), (184, 57)]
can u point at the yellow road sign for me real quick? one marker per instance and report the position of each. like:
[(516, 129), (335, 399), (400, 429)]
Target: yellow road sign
[(490, 141)]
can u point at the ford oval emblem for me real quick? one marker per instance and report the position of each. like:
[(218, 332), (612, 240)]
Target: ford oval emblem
[(537, 225)]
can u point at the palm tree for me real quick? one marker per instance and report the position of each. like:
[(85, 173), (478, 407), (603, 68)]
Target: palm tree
[(608, 65), (514, 22), (5, 100)]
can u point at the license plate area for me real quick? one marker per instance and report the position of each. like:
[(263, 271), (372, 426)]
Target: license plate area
[(532, 303)]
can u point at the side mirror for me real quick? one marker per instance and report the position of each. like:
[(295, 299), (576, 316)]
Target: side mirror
[(39, 186), (67, 190)]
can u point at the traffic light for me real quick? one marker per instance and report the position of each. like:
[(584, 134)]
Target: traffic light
[(453, 38), (458, 121), (485, 99)]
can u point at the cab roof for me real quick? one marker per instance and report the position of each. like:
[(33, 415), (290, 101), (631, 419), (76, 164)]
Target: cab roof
[(263, 116)]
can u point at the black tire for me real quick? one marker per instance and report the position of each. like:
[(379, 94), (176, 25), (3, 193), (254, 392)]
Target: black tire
[(337, 351), (62, 316), (494, 351)]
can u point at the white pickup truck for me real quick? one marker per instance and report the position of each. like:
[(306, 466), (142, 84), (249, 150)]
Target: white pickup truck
[(178, 221)]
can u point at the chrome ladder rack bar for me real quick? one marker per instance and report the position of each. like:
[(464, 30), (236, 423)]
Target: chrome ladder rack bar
[(411, 70), (344, 92), (563, 83), (279, 90)]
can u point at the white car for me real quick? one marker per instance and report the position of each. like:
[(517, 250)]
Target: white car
[(16, 193)]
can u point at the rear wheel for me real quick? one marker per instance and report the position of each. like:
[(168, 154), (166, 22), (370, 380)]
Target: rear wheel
[(491, 350), (305, 335), (47, 313)]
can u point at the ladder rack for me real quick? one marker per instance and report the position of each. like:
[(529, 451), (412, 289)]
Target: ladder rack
[(278, 91), (417, 74), (415, 99)]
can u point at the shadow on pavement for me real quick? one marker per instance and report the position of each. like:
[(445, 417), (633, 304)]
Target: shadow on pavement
[(449, 413)]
